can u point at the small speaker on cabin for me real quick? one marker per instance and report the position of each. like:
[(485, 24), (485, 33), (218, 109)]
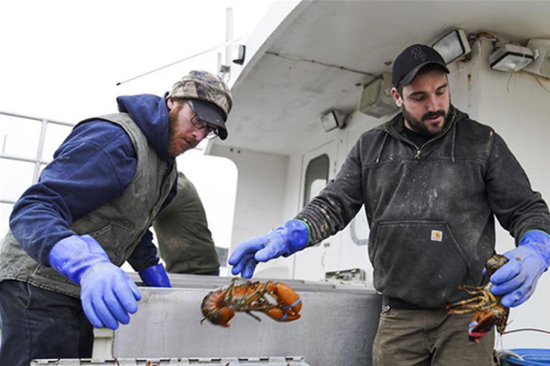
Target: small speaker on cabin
[(376, 100)]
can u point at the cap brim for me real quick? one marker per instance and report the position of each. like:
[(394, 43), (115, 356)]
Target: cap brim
[(210, 115), (410, 76)]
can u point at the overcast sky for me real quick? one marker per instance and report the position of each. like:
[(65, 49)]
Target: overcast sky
[(61, 60)]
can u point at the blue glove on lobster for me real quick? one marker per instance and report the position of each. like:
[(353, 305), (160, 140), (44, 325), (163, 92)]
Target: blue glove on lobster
[(155, 276), (108, 295), (517, 279), (288, 239)]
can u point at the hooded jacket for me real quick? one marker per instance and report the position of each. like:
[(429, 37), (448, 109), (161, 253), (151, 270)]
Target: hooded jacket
[(431, 209), (92, 167), (182, 232)]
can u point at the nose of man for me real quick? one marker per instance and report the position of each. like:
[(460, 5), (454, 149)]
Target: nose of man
[(432, 104), (200, 134)]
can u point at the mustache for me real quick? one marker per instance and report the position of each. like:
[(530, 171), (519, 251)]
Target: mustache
[(439, 113)]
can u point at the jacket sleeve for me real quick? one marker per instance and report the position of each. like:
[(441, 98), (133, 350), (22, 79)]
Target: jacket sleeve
[(145, 254), (517, 207), (338, 202), (92, 167)]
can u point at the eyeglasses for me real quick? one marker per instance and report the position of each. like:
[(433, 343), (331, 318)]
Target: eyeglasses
[(211, 132)]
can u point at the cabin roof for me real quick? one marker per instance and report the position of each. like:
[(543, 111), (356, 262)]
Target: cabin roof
[(324, 52)]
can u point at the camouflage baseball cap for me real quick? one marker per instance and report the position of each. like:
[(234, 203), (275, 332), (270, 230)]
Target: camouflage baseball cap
[(214, 97)]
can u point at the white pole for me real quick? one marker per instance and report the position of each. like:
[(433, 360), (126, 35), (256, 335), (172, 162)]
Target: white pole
[(229, 37)]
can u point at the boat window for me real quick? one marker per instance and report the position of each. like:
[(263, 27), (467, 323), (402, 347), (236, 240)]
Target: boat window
[(316, 177), (206, 171), (360, 228)]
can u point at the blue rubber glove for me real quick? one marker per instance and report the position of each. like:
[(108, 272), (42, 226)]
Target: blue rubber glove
[(108, 295), (283, 241), (517, 279), (155, 276)]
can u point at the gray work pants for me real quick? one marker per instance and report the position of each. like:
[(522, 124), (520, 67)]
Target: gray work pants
[(428, 338)]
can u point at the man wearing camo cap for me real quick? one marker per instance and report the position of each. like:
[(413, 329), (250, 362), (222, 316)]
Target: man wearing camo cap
[(90, 212)]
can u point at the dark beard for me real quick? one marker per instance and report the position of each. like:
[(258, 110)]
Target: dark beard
[(172, 123), (419, 126)]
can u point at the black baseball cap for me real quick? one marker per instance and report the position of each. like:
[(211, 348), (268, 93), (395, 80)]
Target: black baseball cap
[(412, 60), (211, 113)]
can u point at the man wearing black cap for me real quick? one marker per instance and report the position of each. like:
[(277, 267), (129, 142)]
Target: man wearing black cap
[(431, 180), (90, 212)]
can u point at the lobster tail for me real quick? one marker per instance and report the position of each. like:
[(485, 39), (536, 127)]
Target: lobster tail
[(213, 308)]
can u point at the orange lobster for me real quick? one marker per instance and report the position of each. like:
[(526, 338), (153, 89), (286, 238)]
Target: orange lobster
[(277, 300), (488, 310)]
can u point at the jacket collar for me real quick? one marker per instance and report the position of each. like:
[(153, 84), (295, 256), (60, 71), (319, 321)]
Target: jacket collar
[(395, 126)]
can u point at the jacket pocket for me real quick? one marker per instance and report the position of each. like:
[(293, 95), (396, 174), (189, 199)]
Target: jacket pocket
[(51, 274), (115, 240), (419, 262)]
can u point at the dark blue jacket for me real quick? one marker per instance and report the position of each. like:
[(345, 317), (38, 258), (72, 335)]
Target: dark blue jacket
[(93, 166)]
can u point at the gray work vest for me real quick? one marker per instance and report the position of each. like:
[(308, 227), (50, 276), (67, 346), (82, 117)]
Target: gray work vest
[(118, 226)]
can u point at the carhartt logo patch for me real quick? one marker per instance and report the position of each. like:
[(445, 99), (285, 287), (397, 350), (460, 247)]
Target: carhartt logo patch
[(437, 235)]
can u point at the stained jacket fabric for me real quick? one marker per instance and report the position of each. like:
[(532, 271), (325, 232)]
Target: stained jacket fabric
[(431, 209), (184, 239), (89, 184)]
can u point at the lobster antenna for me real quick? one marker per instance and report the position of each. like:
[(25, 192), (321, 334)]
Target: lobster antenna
[(254, 316)]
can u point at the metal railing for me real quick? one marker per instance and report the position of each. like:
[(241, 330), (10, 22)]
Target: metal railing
[(38, 159)]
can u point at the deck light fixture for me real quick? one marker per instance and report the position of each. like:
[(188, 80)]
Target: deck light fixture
[(453, 46), (541, 50), (376, 99), (241, 52), (333, 119), (511, 58)]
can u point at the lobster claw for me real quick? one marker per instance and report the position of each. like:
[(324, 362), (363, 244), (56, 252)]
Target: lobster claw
[(280, 315), (481, 324), (288, 302)]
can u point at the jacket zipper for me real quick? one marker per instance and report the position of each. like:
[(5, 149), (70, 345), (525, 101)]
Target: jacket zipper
[(418, 150)]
